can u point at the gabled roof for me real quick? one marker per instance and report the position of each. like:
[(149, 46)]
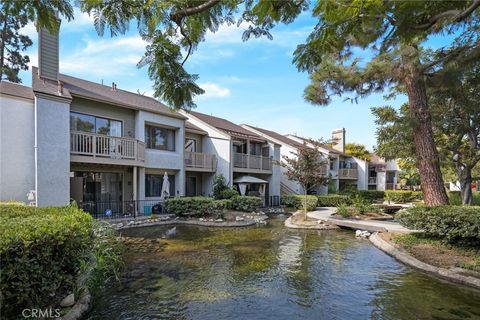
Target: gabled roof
[(17, 90), (190, 127), (226, 126), (94, 91), (324, 146), (277, 136)]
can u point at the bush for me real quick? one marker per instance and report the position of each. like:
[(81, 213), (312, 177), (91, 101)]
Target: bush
[(245, 203), (297, 201), (197, 206), (219, 185), (455, 198), (452, 224), (372, 195), (333, 200), (344, 211), (402, 196), (229, 193), (41, 251)]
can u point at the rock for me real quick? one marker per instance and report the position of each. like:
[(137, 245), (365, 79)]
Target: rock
[(362, 234), (358, 233), (239, 218), (219, 220), (68, 301)]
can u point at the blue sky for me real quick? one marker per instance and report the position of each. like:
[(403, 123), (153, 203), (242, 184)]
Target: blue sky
[(250, 82)]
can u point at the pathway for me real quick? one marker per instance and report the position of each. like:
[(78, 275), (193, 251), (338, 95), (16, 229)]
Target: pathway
[(325, 214)]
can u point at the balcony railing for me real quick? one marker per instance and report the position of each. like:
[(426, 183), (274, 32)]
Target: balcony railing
[(347, 173), (372, 180), (197, 160), (248, 161), (98, 145)]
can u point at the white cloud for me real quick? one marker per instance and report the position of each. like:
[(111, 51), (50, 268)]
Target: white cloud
[(213, 90)]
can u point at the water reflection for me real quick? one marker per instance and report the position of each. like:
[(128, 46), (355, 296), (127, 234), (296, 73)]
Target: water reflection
[(272, 273)]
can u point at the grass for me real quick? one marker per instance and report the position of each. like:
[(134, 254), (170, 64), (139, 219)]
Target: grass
[(436, 252)]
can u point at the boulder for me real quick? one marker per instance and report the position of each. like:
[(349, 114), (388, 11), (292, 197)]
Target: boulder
[(68, 301)]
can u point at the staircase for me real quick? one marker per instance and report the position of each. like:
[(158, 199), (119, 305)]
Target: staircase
[(286, 190)]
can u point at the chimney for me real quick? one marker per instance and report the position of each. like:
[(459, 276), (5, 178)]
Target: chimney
[(114, 86), (338, 139), (48, 49)]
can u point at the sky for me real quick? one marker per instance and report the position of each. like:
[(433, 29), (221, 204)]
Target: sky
[(251, 82)]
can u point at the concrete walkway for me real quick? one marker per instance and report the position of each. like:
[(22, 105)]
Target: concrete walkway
[(325, 214)]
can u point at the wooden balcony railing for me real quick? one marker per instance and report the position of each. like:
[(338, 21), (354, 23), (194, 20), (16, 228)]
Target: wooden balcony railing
[(98, 145), (248, 161), (199, 160), (347, 173)]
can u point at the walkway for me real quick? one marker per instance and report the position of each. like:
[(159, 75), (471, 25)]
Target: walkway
[(325, 214)]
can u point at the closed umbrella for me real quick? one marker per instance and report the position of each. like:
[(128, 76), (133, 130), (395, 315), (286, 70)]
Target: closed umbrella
[(165, 187)]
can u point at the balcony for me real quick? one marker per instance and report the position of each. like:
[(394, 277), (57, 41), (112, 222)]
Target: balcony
[(251, 163), (372, 180), (204, 162), (97, 148), (347, 173)]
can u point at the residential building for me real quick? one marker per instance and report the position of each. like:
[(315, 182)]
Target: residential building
[(382, 174)]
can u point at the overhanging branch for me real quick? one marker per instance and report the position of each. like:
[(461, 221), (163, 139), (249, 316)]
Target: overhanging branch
[(180, 14), (457, 16)]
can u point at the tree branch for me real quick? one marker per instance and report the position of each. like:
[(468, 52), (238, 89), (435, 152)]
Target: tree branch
[(180, 14), (457, 15)]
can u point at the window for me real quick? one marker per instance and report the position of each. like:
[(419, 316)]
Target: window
[(159, 138), (255, 148), (88, 123), (154, 182)]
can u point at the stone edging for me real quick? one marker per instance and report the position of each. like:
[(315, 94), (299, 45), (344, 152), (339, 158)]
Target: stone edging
[(407, 259), (80, 308), (289, 224), (224, 224)]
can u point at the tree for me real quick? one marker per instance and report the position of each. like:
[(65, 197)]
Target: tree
[(14, 15), (12, 42), (305, 167), (358, 150), (409, 173)]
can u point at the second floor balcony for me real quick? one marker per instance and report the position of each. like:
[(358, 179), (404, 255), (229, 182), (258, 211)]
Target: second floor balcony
[(97, 148), (197, 161), (251, 163)]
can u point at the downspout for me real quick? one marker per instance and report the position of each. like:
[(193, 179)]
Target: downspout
[(35, 147)]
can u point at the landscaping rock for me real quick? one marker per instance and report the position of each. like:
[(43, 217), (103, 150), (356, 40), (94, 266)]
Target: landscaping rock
[(68, 301), (362, 234), (239, 219)]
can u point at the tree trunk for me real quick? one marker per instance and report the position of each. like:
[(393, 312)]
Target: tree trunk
[(465, 179), (425, 148)]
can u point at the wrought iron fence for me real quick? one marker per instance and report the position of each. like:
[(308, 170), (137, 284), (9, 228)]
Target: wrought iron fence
[(123, 209)]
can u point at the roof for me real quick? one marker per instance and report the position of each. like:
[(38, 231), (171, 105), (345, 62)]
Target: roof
[(90, 90), (227, 126), (278, 137), (324, 146), (17, 90), (193, 128), (248, 179)]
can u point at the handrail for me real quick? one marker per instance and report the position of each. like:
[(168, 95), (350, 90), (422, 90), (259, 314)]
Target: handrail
[(250, 161), (200, 160), (348, 173)]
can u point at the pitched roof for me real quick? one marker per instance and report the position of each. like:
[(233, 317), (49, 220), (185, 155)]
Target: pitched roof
[(227, 126), (17, 90), (193, 128), (324, 146), (277, 136), (95, 91)]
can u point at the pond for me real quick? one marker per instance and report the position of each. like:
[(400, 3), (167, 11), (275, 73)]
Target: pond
[(270, 272)]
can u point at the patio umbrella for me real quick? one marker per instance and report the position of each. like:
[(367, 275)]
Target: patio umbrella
[(165, 187)]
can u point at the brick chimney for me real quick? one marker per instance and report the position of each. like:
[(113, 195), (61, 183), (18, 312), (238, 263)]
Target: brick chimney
[(338, 139), (48, 54)]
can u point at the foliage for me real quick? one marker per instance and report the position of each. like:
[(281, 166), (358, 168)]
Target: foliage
[(219, 185), (452, 224), (455, 198), (370, 196), (344, 211), (361, 205), (246, 203), (298, 201), (41, 250), (194, 206), (334, 200), (358, 150), (402, 196), (408, 175), (229, 193)]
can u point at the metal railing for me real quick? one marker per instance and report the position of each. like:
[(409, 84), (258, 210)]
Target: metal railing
[(372, 180), (122, 209), (347, 173), (249, 161), (200, 160), (98, 145)]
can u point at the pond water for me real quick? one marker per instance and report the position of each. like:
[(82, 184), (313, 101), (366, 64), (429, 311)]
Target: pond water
[(270, 272)]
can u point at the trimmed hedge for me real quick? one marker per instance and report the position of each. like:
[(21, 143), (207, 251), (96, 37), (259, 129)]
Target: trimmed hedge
[(452, 224), (229, 193), (41, 251), (372, 195), (297, 201), (403, 196), (196, 206), (455, 198), (246, 203), (334, 200)]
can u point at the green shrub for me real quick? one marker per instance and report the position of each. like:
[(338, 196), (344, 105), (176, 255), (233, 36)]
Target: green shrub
[(219, 185), (402, 196), (11, 203), (372, 195), (246, 203), (41, 251), (229, 193), (452, 224), (344, 211), (333, 200), (455, 198), (197, 206), (297, 201)]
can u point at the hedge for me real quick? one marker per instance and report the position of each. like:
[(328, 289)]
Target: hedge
[(452, 224), (455, 198), (372, 195), (403, 196), (41, 251), (297, 201), (246, 203), (333, 200), (196, 206)]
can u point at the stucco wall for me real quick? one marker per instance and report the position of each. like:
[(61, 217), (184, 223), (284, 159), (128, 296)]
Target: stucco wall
[(362, 179), (221, 148), (53, 152), (17, 154)]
